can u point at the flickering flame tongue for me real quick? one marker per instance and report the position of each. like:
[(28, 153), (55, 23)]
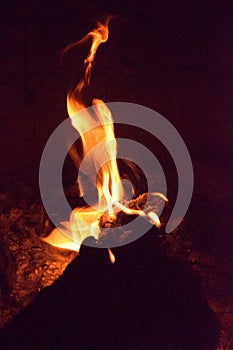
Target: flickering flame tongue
[(98, 36)]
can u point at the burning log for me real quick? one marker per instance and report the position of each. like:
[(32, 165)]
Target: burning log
[(146, 205)]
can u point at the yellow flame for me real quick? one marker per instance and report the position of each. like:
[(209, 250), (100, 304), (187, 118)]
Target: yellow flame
[(95, 129), (59, 240), (108, 180)]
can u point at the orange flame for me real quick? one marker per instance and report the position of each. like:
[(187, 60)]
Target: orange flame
[(84, 223), (108, 182), (98, 36)]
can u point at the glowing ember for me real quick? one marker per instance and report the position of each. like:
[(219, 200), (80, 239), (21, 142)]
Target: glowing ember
[(85, 222), (111, 256)]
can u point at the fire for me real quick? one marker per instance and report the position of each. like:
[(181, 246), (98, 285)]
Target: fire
[(84, 223), (95, 130), (108, 182), (98, 36)]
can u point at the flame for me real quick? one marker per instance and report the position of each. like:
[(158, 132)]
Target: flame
[(98, 36), (97, 135), (84, 222), (109, 184)]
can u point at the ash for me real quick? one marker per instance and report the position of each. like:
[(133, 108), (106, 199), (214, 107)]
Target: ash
[(27, 264)]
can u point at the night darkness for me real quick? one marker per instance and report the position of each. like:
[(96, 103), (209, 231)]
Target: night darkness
[(174, 57)]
